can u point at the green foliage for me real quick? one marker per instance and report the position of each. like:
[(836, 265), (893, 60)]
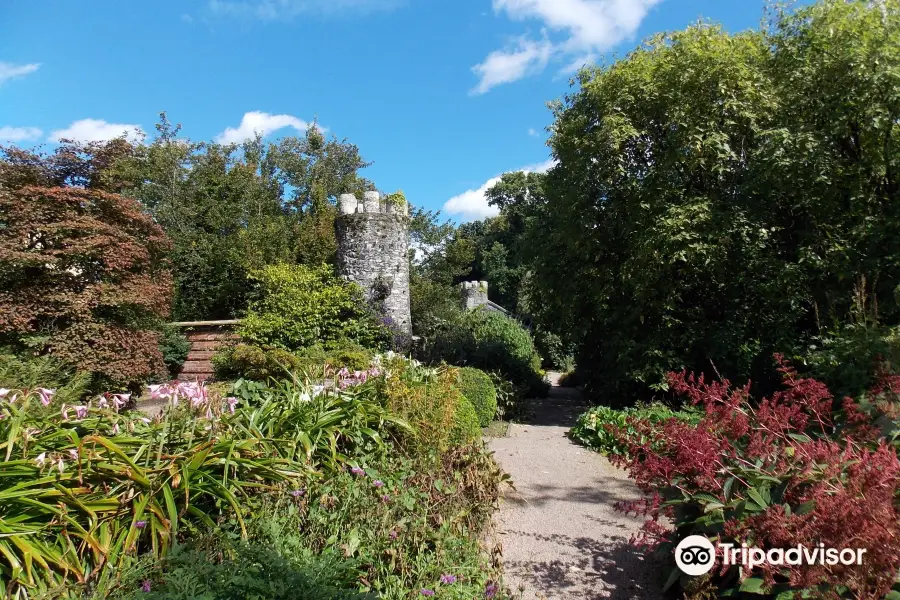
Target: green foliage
[(238, 571), (489, 341), (478, 388), (554, 353), (466, 424), (299, 306), (603, 428), (174, 347), (425, 398), (25, 371), (406, 521), (718, 197), (848, 357), (87, 488), (260, 364), (232, 209)]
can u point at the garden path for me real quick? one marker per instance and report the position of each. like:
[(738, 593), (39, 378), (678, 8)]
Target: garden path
[(560, 537)]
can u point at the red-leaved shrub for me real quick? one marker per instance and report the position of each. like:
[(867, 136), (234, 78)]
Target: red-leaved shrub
[(88, 270), (797, 468)]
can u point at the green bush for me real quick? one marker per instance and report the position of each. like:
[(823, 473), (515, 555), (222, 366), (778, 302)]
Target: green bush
[(601, 428), (489, 341), (253, 362), (407, 521), (849, 358), (24, 371), (174, 347), (477, 387), (236, 571), (466, 425), (298, 306), (261, 364)]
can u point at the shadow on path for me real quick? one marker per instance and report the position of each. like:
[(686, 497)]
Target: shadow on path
[(560, 535)]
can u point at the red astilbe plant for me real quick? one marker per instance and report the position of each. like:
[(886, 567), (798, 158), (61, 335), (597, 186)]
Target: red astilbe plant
[(796, 468), (88, 270)]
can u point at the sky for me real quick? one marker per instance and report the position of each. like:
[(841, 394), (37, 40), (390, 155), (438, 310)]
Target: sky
[(442, 96)]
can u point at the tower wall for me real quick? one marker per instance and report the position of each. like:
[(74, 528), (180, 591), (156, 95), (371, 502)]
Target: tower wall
[(373, 251), (474, 293)]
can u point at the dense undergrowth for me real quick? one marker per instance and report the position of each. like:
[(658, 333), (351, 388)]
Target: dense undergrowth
[(328, 488)]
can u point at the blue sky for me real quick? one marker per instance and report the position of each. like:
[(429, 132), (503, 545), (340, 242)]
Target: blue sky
[(441, 95)]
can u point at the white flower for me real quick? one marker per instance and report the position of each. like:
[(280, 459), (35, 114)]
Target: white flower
[(61, 465), (41, 458), (3, 392)]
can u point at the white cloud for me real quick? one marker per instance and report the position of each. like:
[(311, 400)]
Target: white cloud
[(97, 130), (505, 66), (262, 123), (532, 132), (472, 205), (583, 29), (271, 10), (19, 134), (9, 70)]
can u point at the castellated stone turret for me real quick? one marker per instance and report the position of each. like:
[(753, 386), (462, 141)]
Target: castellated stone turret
[(373, 251), (474, 293)]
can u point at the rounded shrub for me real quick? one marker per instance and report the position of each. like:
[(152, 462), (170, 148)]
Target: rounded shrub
[(466, 427), (254, 362), (477, 387)]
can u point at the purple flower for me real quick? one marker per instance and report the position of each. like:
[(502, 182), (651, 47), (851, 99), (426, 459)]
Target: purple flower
[(46, 395), (385, 498), (448, 579), (490, 590), (297, 493), (357, 471), (145, 587), (140, 524), (392, 535), (378, 483), (232, 402), (426, 592)]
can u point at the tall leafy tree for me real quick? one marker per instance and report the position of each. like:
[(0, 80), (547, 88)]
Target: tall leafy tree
[(719, 197)]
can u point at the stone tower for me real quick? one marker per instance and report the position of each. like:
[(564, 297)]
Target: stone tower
[(474, 293), (373, 251)]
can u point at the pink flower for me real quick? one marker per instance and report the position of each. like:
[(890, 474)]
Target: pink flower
[(120, 400), (426, 592), (378, 483), (357, 471), (102, 403), (73, 453), (232, 402), (115, 428), (81, 411), (46, 395)]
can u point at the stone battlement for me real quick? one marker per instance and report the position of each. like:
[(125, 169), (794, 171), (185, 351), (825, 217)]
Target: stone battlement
[(372, 203)]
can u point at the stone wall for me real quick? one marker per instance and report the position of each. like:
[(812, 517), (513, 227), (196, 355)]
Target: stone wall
[(205, 337), (373, 251)]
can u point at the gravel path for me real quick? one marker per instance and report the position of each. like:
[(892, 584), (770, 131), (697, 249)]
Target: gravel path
[(559, 533)]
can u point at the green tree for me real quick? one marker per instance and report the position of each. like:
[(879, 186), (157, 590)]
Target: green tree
[(720, 197)]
